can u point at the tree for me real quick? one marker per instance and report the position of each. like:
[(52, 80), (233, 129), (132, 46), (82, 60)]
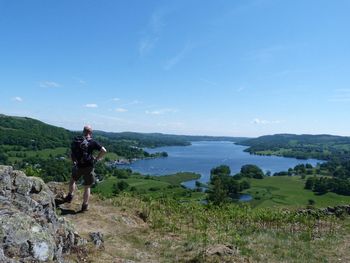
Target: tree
[(308, 166), (223, 186), (252, 171), (120, 187), (309, 184), (244, 185), (311, 202), (3, 158), (220, 170), (218, 194), (320, 186), (300, 169)]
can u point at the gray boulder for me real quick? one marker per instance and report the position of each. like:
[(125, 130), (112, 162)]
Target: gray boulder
[(30, 230)]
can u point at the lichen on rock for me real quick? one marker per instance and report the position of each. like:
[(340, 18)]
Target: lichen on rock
[(30, 230)]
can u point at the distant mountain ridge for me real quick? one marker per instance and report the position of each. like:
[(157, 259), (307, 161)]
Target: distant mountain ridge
[(322, 146), (161, 139), (36, 135)]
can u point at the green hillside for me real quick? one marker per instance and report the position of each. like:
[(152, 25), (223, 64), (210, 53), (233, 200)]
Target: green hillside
[(160, 139), (324, 147), (31, 134), (289, 191)]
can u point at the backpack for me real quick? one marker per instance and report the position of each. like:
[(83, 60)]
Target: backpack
[(79, 148)]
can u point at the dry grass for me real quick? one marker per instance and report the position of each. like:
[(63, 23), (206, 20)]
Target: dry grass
[(133, 234)]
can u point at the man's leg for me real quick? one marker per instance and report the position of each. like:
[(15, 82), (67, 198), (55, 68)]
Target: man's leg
[(85, 205), (86, 194), (72, 186), (89, 180)]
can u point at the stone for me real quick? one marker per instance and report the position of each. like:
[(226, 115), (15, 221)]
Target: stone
[(97, 239), (30, 229), (220, 250)]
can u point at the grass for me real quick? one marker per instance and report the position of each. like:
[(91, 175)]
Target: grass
[(44, 154), (112, 156), (279, 152), (179, 178), (153, 187), (258, 235), (270, 192), (288, 191)]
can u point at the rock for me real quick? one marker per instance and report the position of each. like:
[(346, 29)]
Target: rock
[(30, 229), (97, 239), (128, 221), (337, 211), (220, 250)]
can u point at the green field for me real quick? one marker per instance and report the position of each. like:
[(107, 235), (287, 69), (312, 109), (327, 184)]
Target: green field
[(179, 178), (288, 191), (44, 154), (112, 156), (155, 187), (47, 153)]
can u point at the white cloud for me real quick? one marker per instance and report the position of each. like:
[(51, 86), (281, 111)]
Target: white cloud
[(146, 44), (177, 58), (49, 84), (152, 34), (156, 22), (91, 105), (269, 53), (116, 99), (80, 81), (134, 102), (264, 122), (121, 110), (209, 82), (161, 111), (17, 99), (241, 88), (112, 118)]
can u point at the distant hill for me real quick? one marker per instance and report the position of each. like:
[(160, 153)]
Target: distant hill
[(323, 146), (160, 139), (34, 134), (31, 133)]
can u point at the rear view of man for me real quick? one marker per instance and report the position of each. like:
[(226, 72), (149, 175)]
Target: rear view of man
[(83, 164)]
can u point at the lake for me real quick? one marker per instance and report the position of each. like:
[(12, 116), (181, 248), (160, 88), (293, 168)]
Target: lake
[(201, 157)]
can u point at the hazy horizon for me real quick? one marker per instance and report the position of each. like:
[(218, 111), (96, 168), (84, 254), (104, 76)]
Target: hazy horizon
[(181, 134), (226, 68)]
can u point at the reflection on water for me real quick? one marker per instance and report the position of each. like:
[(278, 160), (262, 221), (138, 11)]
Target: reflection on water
[(245, 198)]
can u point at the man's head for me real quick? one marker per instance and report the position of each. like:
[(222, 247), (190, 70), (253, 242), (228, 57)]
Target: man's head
[(87, 130)]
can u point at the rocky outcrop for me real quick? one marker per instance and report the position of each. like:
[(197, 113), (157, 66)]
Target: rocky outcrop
[(97, 239), (30, 230), (338, 211)]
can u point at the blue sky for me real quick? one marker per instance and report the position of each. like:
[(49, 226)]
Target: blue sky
[(237, 68)]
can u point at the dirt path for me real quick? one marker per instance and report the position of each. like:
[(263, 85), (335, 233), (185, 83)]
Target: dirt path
[(125, 234)]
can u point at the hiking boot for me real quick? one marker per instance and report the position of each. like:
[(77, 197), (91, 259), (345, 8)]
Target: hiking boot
[(84, 207), (68, 198)]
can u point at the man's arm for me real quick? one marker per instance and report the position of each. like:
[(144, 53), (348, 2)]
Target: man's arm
[(74, 160), (101, 153)]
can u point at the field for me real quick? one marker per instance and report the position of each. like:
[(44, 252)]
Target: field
[(44, 154), (288, 191), (153, 187), (138, 229)]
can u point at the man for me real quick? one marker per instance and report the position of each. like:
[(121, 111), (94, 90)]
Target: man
[(83, 164)]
